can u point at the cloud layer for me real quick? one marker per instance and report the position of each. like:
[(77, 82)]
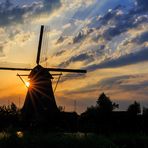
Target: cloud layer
[(113, 41), (110, 41), (12, 14)]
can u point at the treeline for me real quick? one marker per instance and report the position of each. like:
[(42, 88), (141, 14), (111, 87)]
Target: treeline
[(101, 118), (10, 116)]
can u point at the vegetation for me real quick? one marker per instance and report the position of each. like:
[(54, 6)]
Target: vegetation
[(66, 140), (104, 104), (134, 108), (41, 139), (99, 126), (9, 116)]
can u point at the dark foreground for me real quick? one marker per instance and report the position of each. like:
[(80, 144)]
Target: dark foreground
[(44, 139), (99, 127)]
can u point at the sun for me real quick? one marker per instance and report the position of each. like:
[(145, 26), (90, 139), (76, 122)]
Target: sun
[(27, 84)]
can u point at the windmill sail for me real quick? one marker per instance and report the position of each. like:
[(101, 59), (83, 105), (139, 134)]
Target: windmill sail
[(21, 69), (66, 70), (40, 45)]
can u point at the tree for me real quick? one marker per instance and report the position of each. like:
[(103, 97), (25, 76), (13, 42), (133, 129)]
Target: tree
[(104, 104), (9, 116), (134, 108), (92, 110), (145, 111)]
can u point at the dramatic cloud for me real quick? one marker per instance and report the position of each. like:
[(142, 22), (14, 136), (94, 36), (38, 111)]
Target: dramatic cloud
[(129, 59), (1, 51), (141, 38), (84, 57), (120, 36), (125, 83), (120, 23), (143, 4), (17, 14), (79, 37), (60, 40)]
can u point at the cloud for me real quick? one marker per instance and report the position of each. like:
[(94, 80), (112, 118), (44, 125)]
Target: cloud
[(60, 40), (113, 28), (119, 24), (124, 60), (125, 83), (12, 64), (66, 26), (84, 57), (110, 82), (143, 4), (122, 36), (112, 32), (117, 21), (141, 38), (80, 36), (11, 14), (59, 53), (1, 51)]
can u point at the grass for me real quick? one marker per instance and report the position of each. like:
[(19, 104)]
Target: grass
[(66, 140), (42, 139)]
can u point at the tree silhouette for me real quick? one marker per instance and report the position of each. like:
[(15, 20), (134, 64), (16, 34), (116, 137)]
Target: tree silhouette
[(104, 104), (134, 108), (145, 111), (9, 116)]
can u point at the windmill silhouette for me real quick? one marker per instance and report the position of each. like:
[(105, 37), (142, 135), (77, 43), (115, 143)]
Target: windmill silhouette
[(40, 100)]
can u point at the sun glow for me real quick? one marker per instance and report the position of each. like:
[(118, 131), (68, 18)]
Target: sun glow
[(27, 84)]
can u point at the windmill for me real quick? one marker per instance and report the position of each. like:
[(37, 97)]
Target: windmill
[(40, 100)]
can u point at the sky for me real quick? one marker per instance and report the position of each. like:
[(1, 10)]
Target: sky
[(108, 38)]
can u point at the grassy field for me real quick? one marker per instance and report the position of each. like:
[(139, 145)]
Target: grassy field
[(71, 140)]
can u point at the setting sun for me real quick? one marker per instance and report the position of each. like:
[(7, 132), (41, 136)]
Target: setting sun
[(27, 84)]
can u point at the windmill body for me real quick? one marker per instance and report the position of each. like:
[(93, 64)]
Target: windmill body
[(40, 102)]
